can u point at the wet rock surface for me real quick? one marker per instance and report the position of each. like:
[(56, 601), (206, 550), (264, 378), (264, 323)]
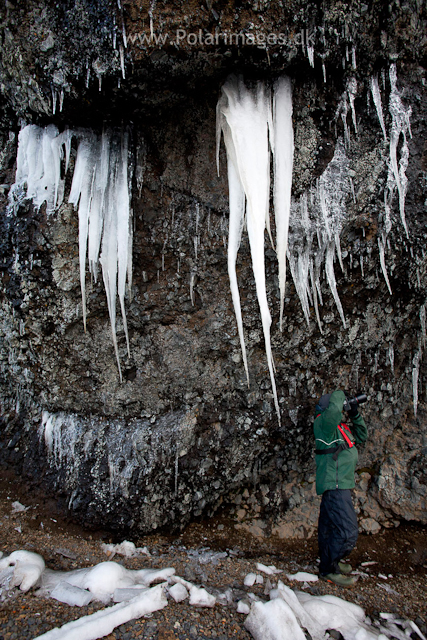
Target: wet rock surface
[(183, 435)]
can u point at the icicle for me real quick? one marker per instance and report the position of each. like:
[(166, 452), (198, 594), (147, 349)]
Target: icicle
[(80, 195), (283, 163), (245, 118), (391, 357), (342, 109), (352, 91), (383, 265), (353, 58), (423, 324), (310, 53), (400, 126), (124, 226), (150, 13), (415, 375), (376, 95), (192, 283), (54, 99), (122, 62), (324, 72)]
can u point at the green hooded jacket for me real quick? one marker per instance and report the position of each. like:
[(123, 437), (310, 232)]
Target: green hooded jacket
[(339, 473)]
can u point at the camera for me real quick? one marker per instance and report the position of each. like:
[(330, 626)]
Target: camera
[(352, 403)]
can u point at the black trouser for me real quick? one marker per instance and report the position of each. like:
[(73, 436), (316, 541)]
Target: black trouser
[(337, 529)]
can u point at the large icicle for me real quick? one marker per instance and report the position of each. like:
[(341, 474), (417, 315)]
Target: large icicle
[(100, 191), (248, 116), (283, 150), (81, 195)]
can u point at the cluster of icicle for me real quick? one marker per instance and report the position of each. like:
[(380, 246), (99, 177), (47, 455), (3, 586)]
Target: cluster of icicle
[(317, 219), (255, 122), (99, 190), (396, 177)]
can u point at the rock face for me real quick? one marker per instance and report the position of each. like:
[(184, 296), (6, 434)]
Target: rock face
[(182, 435)]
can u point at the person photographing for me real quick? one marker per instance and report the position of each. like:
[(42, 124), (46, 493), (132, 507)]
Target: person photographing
[(336, 460)]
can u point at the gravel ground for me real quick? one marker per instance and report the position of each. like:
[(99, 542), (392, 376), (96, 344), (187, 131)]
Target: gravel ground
[(394, 581)]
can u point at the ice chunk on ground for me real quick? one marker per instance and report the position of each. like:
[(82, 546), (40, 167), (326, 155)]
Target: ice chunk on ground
[(73, 596), (124, 595), (103, 579), (302, 576), (270, 570), (125, 548), (249, 580), (243, 606), (103, 622), (17, 507), (178, 592), (331, 612), (273, 620), (302, 616), (199, 597), (27, 568)]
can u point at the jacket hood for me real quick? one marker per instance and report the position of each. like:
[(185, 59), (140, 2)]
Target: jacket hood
[(322, 403)]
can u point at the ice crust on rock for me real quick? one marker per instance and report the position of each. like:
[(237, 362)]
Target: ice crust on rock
[(100, 190)]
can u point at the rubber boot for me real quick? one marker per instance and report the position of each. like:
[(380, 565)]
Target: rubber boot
[(340, 580), (345, 568)]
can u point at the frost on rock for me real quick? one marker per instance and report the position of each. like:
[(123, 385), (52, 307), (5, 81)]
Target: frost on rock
[(245, 118), (100, 190)]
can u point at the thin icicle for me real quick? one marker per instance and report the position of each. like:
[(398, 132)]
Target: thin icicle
[(235, 227), (400, 126), (283, 163), (415, 375), (391, 357), (423, 324), (80, 195), (376, 95)]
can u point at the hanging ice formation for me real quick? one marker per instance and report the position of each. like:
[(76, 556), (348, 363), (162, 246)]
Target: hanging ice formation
[(347, 99), (250, 126), (100, 191), (396, 176), (317, 220)]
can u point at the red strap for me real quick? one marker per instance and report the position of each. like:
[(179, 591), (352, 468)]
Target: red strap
[(345, 436)]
